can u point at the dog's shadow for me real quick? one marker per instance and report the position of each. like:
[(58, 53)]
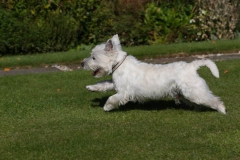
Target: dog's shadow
[(151, 105)]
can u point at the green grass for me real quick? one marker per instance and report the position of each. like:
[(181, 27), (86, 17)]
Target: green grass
[(185, 49), (141, 52), (53, 116)]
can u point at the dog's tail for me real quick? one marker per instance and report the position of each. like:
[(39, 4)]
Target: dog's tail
[(210, 64)]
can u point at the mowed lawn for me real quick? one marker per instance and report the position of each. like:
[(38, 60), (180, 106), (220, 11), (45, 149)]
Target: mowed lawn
[(53, 116)]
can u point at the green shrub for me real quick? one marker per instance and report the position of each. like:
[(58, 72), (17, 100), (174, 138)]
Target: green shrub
[(12, 32), (53, 33), (38, 26), (129, 22), (170, 22), (116, 17), (98, 24), (217, 19), (237, 29), (58, 25)]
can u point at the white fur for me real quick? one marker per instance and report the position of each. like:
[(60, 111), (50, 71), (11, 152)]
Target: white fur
[(138, 81)]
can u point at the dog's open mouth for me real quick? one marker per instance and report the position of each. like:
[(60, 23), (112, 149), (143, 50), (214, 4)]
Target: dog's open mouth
[(95, 72)]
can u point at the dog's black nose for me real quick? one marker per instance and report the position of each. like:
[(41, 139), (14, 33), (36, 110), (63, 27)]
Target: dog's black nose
[(82, 64)]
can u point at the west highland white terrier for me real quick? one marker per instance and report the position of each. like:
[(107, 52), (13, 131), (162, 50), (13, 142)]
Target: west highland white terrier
[(138, 81)]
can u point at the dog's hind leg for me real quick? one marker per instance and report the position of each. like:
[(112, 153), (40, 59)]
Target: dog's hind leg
[(204, 97), (191, 104), (101, 86), (114, 101)]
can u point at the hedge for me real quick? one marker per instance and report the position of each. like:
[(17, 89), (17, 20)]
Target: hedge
[(38, 26)]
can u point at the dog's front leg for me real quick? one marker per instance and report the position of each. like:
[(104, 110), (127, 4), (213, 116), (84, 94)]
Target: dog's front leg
[(114, 101), (101, 86)]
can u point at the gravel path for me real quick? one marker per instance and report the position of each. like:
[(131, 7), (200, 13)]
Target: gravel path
[(59, 68)]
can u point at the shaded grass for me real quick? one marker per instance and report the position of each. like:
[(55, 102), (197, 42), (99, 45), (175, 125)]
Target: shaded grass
[(53, 116), (153, 51)]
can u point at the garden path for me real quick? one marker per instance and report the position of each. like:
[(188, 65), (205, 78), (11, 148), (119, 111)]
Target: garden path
[(58, 68)]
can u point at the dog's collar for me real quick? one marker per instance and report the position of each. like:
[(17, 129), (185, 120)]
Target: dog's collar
[(115, 67)]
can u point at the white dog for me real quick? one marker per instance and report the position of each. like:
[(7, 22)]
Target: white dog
[(138, 81)]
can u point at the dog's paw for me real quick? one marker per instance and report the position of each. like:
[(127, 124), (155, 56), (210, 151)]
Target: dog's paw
[(91, 88), (177, 101), (108, 108), (222, 109)]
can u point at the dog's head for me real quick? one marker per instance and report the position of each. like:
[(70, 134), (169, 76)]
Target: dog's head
[(104, 57)]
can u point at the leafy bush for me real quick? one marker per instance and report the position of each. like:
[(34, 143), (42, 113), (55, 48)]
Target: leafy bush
[(39, 26), (98, 24), (124, 17), (54, 33), (168, 23), (217, 19), (58, 25), (129, 22)]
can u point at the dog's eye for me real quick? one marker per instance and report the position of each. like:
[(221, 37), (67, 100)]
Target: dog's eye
[(93, 58)]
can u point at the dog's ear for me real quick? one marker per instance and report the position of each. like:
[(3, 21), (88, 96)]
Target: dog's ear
[(116, 42), (109, 45)]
